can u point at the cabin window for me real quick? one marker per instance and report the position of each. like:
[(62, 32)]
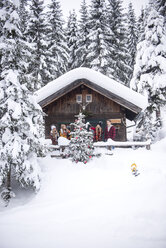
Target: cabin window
[(79, 98), (89, 98)]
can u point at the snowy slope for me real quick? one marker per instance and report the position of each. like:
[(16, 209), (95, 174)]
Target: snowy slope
[(97, 205), (95, 77)]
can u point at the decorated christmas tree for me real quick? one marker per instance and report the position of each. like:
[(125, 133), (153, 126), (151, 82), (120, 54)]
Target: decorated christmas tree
[(81, 144)]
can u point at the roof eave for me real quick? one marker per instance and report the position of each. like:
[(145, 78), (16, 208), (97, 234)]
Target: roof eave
[(123, 102)]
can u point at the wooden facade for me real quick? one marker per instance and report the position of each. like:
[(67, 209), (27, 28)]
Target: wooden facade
[(61, 108)]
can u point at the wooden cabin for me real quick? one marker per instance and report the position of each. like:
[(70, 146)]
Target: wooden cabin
[(97, 96)]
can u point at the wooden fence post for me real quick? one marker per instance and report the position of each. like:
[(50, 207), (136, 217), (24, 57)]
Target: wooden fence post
[(148, 147), (109, 148)]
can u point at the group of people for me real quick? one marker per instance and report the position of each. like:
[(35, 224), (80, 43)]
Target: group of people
[(54, 134), (109, 132)]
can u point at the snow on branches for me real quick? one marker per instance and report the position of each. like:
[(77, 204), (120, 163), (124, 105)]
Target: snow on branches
[(81, 144)]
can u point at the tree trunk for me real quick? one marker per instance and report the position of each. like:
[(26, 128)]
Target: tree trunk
[(7, 192), (158, 113), (158, 117), (8, 180)]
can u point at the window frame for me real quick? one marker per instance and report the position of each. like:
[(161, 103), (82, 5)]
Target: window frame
[(78, 95), (90, 98)]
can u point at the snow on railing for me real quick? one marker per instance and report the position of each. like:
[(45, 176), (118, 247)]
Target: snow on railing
[(109, 144)]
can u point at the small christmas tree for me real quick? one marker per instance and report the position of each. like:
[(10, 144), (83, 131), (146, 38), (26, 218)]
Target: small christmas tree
[(81, 144)]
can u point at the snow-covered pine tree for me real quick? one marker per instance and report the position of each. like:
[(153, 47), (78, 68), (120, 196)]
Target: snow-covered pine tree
[(81, 144), (119, 55), (57, 42), (23, 13), (150, 73), (72, 40), (141, 25), (20, 116), (98, 52), (2, 17), (132, 37), (2, 13), (83, 36), (36, 33), (25, 47), (161, 7)]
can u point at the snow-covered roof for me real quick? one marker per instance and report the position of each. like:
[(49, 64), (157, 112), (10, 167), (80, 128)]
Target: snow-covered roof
[(98, 79)]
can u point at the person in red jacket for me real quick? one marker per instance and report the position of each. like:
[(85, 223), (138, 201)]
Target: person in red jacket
[(110, 131), (92, 129)]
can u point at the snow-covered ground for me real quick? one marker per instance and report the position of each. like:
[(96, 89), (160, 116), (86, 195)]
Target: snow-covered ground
[(97, 205)]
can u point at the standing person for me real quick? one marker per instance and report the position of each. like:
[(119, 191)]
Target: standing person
[(64, 132), (68, 133), (98, 132), (110, 131), (54, 135)]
